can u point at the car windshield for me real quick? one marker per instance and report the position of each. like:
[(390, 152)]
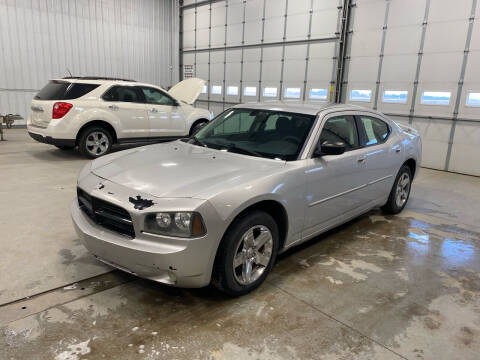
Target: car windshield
[(262, 133)]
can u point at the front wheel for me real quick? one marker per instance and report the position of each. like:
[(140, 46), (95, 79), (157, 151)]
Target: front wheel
[(94, 142), (246, 254), (196, 127), (400, 191)]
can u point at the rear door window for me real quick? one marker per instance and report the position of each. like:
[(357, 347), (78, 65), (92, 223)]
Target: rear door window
[(376, 130), (64, 90), (122, 94)]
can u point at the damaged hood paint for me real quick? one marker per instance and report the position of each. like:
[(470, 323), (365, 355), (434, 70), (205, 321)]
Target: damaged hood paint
[(182, 170)]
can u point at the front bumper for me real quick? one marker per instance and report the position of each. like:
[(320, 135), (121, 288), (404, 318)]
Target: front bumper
[(49, 140), (169, 260)]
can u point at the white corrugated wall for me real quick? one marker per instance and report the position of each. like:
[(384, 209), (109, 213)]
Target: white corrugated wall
[(40, 39)]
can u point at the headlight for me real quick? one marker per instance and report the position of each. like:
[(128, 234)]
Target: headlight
[(181, 224)]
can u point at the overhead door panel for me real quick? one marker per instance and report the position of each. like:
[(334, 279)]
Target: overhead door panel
[(262, 50)]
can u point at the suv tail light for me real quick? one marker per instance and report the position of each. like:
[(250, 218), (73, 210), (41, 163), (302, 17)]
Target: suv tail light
[(60, 109)]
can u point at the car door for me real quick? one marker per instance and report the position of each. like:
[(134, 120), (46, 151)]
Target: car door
[(164, 113), (125, 104), (382, 155), (333, 186)]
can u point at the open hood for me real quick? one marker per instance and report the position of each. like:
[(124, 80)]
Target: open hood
[(187, 90)]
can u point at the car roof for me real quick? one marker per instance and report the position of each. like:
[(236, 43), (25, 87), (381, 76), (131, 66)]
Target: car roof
[(307, 108), (102, 81)]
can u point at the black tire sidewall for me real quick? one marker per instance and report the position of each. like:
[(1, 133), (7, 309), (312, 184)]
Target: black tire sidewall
[(196, 127), (82, 145), (391, 205), (228, 246)]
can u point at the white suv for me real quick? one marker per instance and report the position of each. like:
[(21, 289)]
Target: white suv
[(94, 113)]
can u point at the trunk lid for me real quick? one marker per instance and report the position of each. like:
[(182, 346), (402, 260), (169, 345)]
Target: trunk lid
[(187, 90)]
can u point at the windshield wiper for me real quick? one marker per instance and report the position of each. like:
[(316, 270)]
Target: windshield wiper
[(199, 142), (243, 150)]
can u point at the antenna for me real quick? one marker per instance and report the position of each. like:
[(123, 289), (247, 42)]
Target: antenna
[(69, 72)]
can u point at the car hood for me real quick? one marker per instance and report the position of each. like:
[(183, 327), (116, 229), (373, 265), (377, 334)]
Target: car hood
[(178, 169), (187, 90)]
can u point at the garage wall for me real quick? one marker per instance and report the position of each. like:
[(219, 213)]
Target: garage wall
[(260, 50), (40, 39), (425, 54)]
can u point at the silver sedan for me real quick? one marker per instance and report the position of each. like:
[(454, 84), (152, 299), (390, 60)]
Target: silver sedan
[(260, 178)]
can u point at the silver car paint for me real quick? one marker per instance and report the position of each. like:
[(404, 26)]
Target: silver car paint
[(316, 193)]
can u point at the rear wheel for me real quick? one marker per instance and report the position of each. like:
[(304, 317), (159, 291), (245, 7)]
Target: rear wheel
[(94, 142), (246, 254), (400, 191)]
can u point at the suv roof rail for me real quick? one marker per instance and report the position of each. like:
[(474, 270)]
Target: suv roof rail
[(96, 78)]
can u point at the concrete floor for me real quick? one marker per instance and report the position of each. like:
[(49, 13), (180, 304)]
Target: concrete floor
[(379, 287)]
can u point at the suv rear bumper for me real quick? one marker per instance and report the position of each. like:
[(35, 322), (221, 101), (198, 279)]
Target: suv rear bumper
[(52, 141)]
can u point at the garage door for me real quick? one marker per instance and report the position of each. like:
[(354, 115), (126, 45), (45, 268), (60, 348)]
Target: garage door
[(260, 50)]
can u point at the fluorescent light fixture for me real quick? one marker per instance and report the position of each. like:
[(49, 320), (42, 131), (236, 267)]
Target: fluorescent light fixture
[(361, 95), (232, 90), (473, 99), (292, 93), (204, 89), (395, 96), (250, 91), (270, 92), (435, 98), (317, 94), (216, 90)]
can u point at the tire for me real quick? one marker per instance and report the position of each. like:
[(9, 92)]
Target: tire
[(234, 280), (197, 126), (62, 147), (400, 192), (94, 142)]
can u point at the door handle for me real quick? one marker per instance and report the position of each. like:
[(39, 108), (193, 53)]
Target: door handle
[(362, 159), (113, 107), (397, 150), (154, 110)]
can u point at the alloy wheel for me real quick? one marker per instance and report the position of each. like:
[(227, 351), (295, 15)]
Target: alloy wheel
[(403, 189), (252, 255), (97, 143)]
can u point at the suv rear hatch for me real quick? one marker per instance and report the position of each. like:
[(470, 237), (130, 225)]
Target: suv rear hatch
[(55, 91)]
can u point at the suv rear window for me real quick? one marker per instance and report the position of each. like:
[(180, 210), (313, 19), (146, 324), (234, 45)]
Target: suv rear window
[(64, 90)]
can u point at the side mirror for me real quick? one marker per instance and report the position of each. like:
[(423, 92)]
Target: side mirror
[(330, 148)]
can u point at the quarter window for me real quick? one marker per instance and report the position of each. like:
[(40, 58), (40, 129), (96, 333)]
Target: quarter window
[(376, 130), (122, 94), (340, 129), (154, 96)]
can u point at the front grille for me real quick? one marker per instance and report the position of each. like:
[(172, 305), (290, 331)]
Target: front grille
[(106, 214)]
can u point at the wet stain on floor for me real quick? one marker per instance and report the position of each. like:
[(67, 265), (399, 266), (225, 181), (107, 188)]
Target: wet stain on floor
[(379, 287)]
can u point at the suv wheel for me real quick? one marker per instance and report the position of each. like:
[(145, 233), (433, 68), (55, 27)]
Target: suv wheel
[(196, 127), (246, 254), (400, 191), (94, 142)]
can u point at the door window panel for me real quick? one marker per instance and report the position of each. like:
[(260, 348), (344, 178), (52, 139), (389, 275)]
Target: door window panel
[(122, 94), (154, 96), (340, 129), (376, 130)]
